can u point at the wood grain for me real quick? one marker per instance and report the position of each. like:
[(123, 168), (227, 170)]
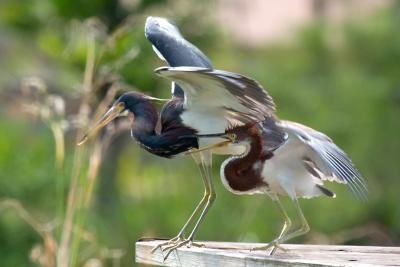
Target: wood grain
[(238, 254)]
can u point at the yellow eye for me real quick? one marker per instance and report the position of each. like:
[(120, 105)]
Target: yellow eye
[(121, 105), (232, 136)]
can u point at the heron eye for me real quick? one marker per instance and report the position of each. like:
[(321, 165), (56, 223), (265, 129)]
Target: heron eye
[(232, 136), (121, 105)]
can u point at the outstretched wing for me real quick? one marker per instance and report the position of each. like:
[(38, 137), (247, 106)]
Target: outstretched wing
[(221, 94), (327, 157), (170, 46)]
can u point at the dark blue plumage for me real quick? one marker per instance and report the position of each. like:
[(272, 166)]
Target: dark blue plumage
[(169, 142), (174, 137), (170, 45)]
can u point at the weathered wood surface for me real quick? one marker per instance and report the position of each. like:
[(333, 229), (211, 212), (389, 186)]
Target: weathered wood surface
[(238, 254)]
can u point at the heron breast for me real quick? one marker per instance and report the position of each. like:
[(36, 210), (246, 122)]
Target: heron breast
[(204, 122)]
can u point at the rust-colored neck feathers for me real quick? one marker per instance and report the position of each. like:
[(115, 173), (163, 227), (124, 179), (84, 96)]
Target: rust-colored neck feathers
[(242, 173)]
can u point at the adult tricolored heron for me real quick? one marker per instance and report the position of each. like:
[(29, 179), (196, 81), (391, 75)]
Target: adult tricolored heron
[(289, 159), (204, 101)]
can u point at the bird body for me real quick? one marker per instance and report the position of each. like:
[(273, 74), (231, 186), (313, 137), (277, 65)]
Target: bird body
[(269, 156), (205, 92), (215, 100), (290, 171), (204, 100), (209, 101), (284, 158), (297, 168), (173, 138)]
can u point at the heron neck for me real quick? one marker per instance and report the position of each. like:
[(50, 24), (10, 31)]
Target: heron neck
[(145, 121), (170, 142), (240, 171), (252, 153)]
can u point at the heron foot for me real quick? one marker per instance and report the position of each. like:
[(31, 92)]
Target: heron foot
[(176, 239), (177, 244), (273, 244)]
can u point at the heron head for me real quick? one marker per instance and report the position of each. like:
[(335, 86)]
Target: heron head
[(239, 134), (129, 103)]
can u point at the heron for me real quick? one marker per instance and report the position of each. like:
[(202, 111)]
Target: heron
[(204, 100), (285, 158)]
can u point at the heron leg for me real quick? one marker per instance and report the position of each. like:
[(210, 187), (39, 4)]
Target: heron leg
[(304, 228), (181, 235), (286, 225), (210, 192), (206, 163), (202, 203)]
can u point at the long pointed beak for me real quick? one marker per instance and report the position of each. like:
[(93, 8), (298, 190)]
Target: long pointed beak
[(110, 115), (213, 146)]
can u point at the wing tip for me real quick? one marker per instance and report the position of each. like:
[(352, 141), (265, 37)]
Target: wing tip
[(155, 26), (359, 189), (344, 169)]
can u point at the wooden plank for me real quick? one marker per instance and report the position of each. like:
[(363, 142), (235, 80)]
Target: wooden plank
[(239, 254)]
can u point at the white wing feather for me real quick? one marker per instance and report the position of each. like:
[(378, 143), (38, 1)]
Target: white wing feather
[(234, 97), (329, 158)]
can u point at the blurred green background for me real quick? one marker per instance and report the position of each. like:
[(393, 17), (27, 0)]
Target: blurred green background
[(339, 77)]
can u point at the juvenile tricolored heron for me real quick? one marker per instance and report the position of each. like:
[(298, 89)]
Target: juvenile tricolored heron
[(204, 100), (289, 159)]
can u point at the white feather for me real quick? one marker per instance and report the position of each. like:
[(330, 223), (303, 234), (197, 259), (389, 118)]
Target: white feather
[(218, 99), (285, 172)]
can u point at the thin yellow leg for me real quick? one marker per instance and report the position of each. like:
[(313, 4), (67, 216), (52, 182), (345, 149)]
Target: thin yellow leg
[(304, 228), (287, 223), (206, 159), (200, 206)]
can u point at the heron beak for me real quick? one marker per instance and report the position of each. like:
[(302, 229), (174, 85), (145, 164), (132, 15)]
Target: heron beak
[(110, 115), (213, 146)]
